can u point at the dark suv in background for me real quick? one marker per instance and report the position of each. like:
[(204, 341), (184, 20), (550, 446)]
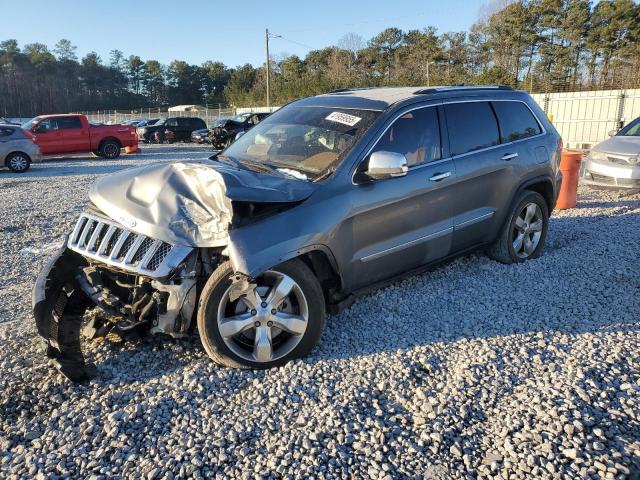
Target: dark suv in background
[(326, 199), (181, 127)]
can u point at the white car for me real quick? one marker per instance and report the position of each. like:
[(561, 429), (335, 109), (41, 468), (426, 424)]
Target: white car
[(615, 163)]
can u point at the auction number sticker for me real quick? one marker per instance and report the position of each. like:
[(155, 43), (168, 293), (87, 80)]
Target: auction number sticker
[(343, 118)]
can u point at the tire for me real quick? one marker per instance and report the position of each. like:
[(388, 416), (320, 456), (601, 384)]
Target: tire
[(241, 350), (159, 139), (109, 149), (18, 162), (507, 248)]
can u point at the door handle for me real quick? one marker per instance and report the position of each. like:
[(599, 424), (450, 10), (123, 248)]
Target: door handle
[(509, 156), (440, 176)]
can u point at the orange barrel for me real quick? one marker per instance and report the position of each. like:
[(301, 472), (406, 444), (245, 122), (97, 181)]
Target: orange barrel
[(570, 168), (132, 149)]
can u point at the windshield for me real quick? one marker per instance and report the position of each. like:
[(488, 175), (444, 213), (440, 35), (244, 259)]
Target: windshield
[(631, 130), (312, 140), (29, 124)]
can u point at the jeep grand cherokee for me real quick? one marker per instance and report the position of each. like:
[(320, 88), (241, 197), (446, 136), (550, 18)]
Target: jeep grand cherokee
[(329, 197)]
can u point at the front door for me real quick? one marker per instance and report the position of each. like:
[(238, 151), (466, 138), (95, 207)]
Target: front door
[(402, 223), (47, 136)]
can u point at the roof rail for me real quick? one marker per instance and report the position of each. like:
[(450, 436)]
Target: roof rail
[(426, 91), (354, 89)]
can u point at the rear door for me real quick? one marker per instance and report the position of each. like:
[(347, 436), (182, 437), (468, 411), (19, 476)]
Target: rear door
[(402, 223), (485, 171), (184, 128), (72, 135)]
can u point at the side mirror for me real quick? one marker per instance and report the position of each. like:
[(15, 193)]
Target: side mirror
[(386, 165), (37, 128), (612, 133)]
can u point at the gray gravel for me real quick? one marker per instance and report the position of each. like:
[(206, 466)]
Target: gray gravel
[(475, 369)]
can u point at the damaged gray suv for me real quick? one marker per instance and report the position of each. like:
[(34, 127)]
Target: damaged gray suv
[(328, 198)]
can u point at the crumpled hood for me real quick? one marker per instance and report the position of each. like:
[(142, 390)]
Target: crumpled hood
[(188, 203), (622, 145)]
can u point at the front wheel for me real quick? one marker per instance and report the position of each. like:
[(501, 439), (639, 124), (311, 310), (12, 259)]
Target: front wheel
[(525, 230), (18, 162), (262, 324)]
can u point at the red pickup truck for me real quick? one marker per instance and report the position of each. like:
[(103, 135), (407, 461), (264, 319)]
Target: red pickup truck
[(73, 133)]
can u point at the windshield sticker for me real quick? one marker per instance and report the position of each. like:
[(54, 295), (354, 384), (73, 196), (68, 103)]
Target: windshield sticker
[(343, 118)]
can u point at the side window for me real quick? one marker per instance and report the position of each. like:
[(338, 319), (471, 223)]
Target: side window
[(47, 125), (416, 135), (472, 126), (516, 121), (68, 123), (171, 122), (5, 132)]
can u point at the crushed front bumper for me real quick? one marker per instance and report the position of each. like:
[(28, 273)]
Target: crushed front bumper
[(612, 175)]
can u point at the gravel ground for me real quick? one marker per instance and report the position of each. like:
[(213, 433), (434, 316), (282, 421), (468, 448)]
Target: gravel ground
[(475, 369)]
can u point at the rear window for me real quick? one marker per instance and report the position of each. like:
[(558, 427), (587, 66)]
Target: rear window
[(5, 132), (472, 126), (516, 121)]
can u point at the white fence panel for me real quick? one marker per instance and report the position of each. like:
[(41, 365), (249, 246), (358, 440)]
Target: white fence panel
[(585, 118)]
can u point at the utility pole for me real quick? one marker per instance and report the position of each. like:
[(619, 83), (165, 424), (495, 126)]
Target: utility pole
[(266, 38), (428, 77)]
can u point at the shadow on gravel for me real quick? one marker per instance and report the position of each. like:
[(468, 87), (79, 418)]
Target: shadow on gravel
[(582, 283)]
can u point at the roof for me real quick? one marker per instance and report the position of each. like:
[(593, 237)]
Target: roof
[(381, 98)]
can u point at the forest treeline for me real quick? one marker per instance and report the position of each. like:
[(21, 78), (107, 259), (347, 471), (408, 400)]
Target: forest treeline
[(536, 45)]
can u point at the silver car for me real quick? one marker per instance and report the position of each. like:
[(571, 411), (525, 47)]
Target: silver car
[(616, 161), (17, 151)]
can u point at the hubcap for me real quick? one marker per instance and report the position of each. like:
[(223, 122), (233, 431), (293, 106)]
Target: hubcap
[(527, 230), (18, 162), (266, 323)]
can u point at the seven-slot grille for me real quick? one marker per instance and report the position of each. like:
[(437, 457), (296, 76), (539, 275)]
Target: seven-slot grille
[(109, 242)]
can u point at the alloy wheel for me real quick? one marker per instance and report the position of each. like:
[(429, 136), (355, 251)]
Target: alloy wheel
[(266, 323), (527, 230), (18, 163), (110, 150)]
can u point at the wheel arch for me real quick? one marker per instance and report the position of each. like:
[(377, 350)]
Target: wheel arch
[(106, 139), (319, 258), (542, 185)]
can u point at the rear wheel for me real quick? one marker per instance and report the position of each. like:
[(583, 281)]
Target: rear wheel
[(523, 235), (275, 319), (109, 149), (18, 162)]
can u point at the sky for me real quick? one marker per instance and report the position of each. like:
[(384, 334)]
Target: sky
[(230, 32)]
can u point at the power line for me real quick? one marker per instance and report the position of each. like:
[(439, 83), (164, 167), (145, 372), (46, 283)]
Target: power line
[(293, 41)]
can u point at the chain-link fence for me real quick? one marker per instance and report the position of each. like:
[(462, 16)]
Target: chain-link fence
[(209, 115)]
